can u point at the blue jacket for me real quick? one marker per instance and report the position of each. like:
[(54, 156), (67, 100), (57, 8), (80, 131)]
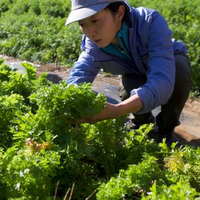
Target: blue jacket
[(152, 51)]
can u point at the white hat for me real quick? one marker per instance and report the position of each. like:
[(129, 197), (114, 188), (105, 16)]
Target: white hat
[(82, 9)]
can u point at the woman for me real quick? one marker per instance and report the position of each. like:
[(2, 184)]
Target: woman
[(136, 43)]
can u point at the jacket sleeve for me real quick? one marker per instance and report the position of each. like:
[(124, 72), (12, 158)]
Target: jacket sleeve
[(85, 68), (161, 72)]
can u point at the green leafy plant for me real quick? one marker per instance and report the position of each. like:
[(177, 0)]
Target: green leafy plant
[(45, 153), (10, 108), (181, 190)]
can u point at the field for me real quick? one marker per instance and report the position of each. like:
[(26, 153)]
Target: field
[(34, 30), (45, 154)]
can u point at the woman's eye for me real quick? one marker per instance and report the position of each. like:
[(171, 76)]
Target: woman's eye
[(95, 21), (81, 25)]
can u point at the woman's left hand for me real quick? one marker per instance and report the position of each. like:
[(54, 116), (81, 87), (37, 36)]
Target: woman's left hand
[(109, 112)]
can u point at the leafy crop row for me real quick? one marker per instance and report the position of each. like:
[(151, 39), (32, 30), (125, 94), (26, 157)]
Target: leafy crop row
[(45, 154), (34, 30)]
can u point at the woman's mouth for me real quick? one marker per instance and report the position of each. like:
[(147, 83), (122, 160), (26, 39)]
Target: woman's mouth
[(97, 41)]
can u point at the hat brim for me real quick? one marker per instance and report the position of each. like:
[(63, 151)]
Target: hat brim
[(83, 13)]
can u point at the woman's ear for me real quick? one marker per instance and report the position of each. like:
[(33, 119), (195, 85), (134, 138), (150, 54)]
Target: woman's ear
[(121, 12)]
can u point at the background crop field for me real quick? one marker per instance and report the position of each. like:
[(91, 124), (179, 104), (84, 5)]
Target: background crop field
[(34, 30)]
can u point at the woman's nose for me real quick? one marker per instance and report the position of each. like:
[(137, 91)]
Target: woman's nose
[(91, 31)]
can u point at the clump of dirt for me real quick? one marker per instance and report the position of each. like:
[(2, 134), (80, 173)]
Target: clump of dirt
[(51, 68)]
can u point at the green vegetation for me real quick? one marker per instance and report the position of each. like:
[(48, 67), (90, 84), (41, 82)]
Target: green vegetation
[(45, 154), (35, 31)]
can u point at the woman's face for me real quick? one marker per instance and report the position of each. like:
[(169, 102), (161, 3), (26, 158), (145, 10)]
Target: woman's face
[(102, 27)]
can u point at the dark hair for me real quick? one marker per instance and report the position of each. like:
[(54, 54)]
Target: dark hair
[(113, 7)]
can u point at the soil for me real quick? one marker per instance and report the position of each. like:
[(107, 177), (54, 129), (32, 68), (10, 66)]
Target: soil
[(188, 132)]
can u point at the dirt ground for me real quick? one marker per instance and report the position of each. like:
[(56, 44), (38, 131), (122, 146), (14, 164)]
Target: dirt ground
[(186, 133)]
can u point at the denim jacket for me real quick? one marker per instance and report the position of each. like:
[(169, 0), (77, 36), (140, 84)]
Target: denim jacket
[(152, 52)]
